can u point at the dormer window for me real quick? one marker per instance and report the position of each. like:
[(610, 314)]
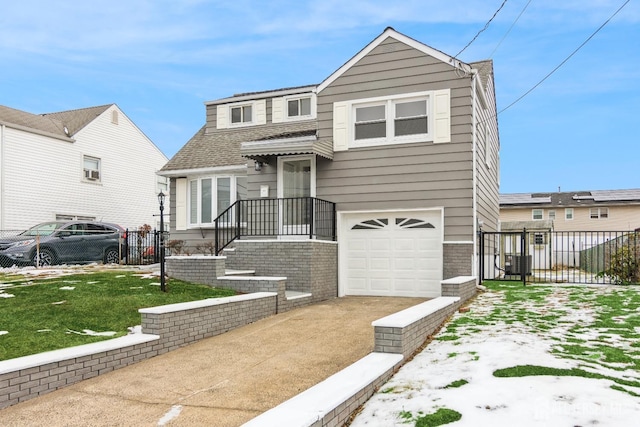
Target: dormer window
[(291, 108), (241, 114), (299, 107)]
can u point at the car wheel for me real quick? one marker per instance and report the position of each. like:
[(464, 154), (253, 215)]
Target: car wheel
[(46, 258), (111, 256)]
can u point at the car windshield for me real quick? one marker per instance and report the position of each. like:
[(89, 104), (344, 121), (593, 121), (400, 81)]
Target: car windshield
[(45, 229)]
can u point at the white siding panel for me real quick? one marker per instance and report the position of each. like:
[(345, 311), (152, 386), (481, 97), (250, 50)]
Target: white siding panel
[(44, 176)]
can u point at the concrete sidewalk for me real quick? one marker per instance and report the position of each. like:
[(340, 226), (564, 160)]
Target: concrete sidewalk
[(221, 381)]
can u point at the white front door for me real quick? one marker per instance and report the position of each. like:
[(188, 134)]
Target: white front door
[(296, 183)]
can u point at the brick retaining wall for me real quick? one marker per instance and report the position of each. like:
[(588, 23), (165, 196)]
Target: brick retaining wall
[(165, 328), (310, 266)]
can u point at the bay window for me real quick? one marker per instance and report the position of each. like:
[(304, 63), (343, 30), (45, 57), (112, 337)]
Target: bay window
[(210, 196)]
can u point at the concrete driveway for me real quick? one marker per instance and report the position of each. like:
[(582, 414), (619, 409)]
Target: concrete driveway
[(224, 380)]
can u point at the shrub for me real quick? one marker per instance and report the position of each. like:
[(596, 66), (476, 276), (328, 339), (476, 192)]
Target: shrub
[(624, 264)]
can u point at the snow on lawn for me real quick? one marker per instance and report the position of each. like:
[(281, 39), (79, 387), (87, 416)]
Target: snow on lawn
[(561, 327)]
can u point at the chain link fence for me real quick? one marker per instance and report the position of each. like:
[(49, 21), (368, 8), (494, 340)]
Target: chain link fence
[(98, 245)]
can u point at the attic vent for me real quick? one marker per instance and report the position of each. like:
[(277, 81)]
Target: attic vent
[(114, 117)]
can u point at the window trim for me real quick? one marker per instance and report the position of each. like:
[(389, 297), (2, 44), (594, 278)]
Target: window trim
[(88, 175), (551, 211), (299, 117), (233, 197), (390, 102), (601, 213), (533, 214), (242, 122), (258, 114), (568, 214)]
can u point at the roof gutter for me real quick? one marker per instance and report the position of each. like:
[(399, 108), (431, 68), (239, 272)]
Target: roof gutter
[(37, 131), (201, 171)]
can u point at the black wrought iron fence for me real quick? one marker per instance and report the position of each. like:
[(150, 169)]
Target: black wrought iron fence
[(141, 247), (296, 216), (561, 256)]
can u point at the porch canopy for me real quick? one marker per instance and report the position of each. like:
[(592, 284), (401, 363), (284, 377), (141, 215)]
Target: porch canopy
[(301, 142)]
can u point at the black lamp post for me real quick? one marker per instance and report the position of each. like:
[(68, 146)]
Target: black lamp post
[(161, 197)]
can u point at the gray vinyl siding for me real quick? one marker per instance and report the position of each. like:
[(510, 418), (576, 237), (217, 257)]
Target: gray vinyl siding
[(402, 176), (487, 176), (267, 176)]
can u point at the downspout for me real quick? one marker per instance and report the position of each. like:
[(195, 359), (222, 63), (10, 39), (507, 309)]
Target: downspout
[(475, 259)]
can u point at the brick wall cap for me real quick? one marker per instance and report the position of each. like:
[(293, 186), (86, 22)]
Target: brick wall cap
[(306, 408), (182, 306), (188, 257), (458, 280), (54, 356), (253, 278), (413, 314)]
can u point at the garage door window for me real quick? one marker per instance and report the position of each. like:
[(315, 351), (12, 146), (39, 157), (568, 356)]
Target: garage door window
[(400, 222)]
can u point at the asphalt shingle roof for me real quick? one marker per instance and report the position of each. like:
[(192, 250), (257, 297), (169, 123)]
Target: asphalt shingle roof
[(52, 123), (214, 148)]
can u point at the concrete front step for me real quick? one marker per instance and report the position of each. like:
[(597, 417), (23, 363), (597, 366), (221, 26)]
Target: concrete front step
[(239, 273)]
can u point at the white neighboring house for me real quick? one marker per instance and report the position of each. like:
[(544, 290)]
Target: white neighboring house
[(92, 163)]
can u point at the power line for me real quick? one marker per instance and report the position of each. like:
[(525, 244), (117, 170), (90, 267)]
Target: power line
[(510, 28), (566, 59), (479, 32)]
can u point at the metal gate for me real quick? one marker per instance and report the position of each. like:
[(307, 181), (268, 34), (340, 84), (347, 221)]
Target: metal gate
[(542, 256)]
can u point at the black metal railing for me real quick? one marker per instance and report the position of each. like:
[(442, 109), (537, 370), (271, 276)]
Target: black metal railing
[(295, 216), (561, 256)]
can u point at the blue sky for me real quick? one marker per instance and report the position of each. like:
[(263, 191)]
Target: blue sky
[(161, 60)]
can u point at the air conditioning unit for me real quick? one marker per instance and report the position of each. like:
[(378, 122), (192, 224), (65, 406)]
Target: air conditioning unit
[(91, 174)]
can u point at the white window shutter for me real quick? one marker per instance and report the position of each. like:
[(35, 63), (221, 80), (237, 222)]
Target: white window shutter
[(261, 112), (277, 110), (181, 204), (222, 119), (442, 115), (341, 126)]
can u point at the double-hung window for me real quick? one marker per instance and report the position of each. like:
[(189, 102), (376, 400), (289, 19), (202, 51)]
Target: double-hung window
[(211, 196), (598, 213), (91, 168), (410, 118), (241, 114), (299, 107), (536, 214), (371, 122), (391, 121)]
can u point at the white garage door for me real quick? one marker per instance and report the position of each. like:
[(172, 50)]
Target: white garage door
[(391, 253)]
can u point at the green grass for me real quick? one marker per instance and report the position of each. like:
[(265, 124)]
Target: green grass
[(533, 370), (441, 417), (456, 384), (40, 316)]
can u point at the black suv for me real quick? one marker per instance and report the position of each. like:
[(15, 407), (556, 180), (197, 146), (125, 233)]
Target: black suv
[(60, 242)]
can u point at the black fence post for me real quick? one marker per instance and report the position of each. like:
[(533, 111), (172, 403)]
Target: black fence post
[(481, 260), (524, 264)]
